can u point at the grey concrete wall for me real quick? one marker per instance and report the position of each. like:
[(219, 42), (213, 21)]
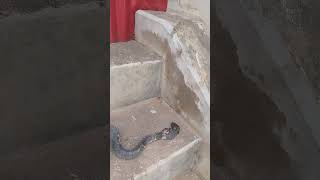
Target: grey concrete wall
[(53, 76), (268, 57)]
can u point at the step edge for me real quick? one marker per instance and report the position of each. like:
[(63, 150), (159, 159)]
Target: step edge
[(171, 157), (135, 64), (168, 25)]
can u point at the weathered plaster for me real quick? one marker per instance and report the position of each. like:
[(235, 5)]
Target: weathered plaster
[(199, 8)]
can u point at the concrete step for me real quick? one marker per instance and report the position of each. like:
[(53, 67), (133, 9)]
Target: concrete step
[(161, 160), (134, 75), (81, 156)]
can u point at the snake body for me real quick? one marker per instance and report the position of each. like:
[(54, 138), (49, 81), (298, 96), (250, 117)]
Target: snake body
[(127, 154)]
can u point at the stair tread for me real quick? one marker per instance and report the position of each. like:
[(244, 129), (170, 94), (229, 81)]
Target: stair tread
[(138, 120), (81, 154), (131, 52)]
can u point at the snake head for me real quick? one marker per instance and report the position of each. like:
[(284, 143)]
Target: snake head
[(170, 133), (175, 127)]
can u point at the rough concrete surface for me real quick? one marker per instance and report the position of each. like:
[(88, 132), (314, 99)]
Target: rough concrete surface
[(183, 41), (135, 74), (52, 74), (131, 52), (199, 8), (161, 160)]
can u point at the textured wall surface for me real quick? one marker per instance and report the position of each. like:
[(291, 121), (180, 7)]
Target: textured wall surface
[(198, 7)]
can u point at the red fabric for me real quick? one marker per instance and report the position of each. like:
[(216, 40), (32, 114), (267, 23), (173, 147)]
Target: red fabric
[(122, 13)]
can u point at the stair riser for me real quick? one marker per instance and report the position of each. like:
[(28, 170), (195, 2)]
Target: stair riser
[(161, 160), (131, 83), (174, 165)]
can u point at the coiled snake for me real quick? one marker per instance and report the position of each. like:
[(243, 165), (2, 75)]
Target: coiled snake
[(127, 154)]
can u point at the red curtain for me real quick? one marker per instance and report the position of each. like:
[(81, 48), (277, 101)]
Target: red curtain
[(122, 14)]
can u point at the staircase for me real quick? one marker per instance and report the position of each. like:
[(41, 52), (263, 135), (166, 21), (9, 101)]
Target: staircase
[(137, 110)]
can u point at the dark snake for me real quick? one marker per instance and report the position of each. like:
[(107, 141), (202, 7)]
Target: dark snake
[(128, 154)]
